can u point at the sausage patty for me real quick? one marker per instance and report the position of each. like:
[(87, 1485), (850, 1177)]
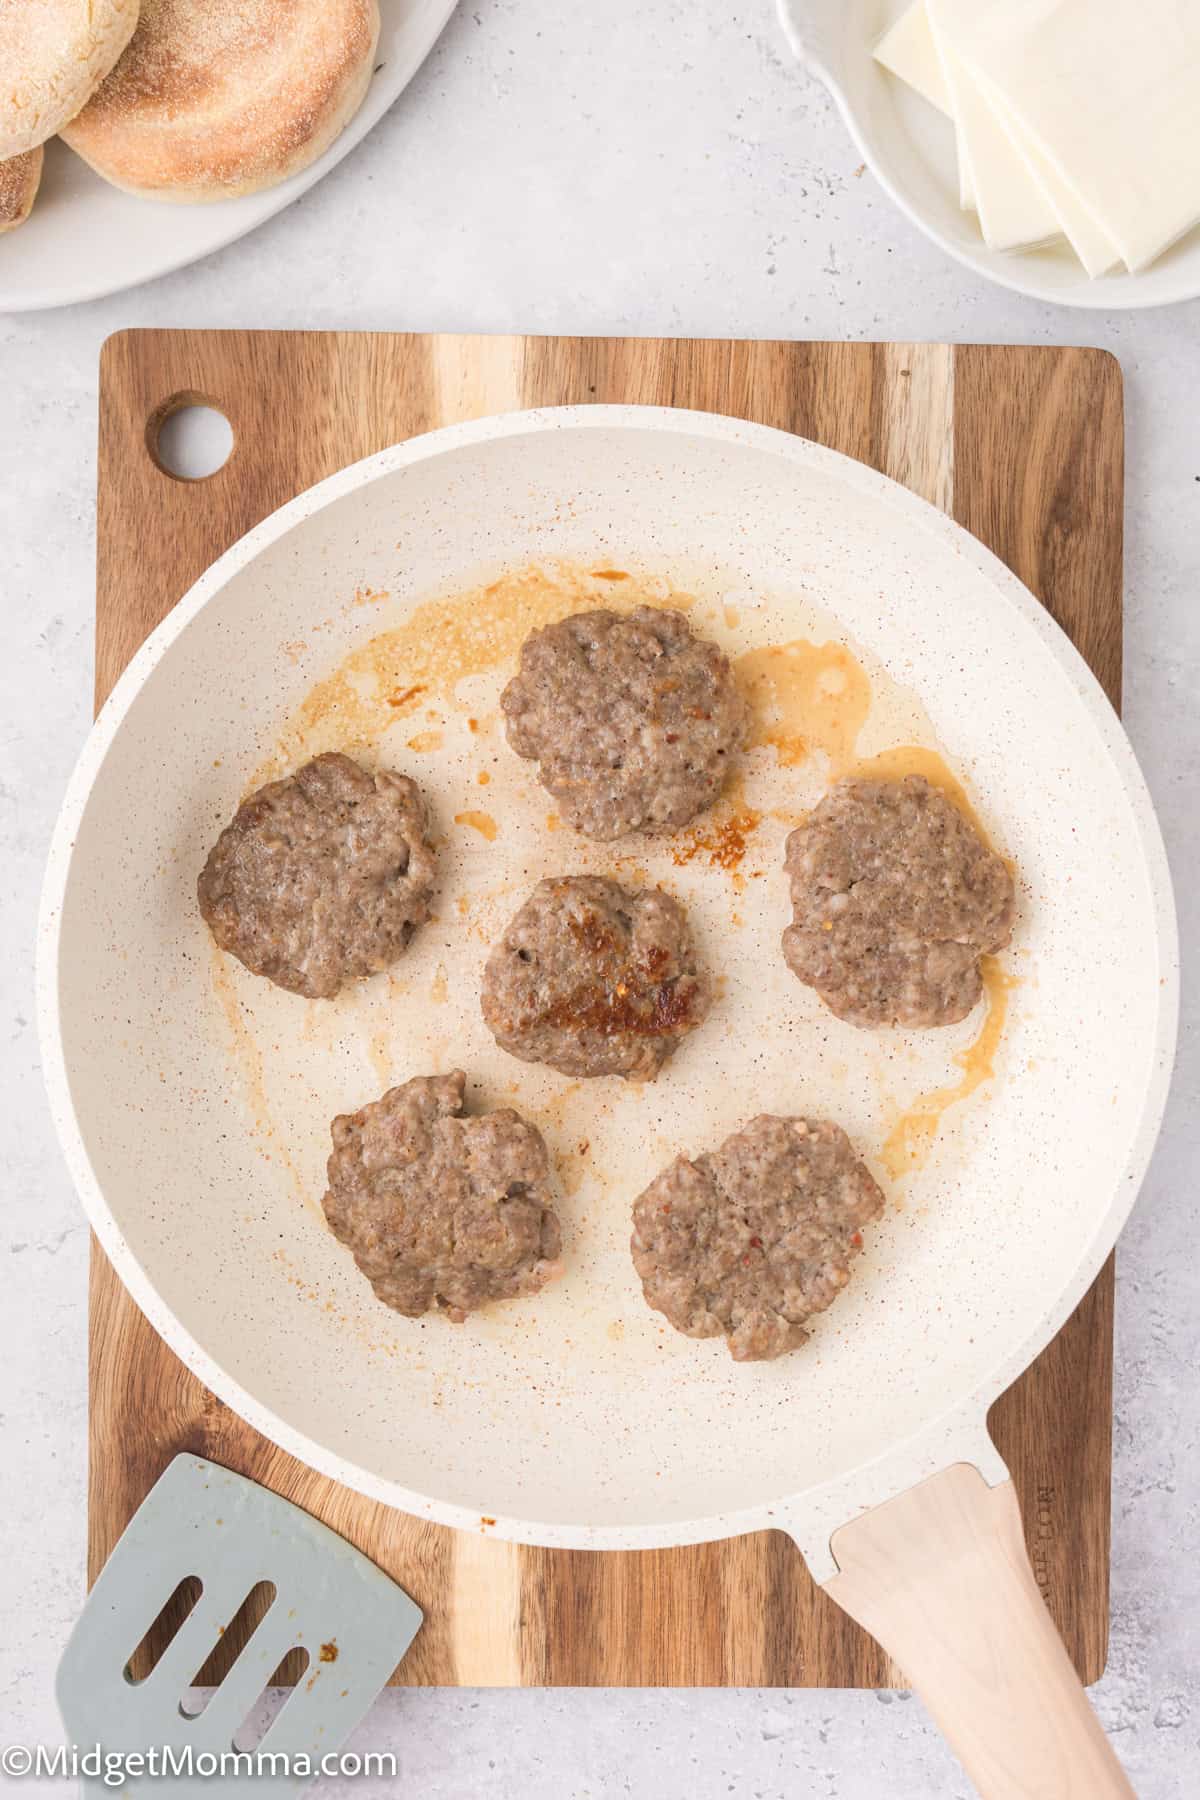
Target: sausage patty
[(895, 897), (632, 720), (749, 1241), (321, 878), (594, 979), (442, 1211)]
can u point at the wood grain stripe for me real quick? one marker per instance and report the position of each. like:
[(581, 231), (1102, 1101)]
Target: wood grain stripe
[(917, 439), (475, 376), (486, 1637), (1039, 442)]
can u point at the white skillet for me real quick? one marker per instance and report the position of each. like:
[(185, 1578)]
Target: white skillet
[(193, 1101), (909, 148)]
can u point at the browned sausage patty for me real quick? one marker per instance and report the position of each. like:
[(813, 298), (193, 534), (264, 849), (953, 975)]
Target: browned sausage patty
[(322, 878), (749, 1241), (632, 720), (895, 897), (594, 979), (442, 1211)]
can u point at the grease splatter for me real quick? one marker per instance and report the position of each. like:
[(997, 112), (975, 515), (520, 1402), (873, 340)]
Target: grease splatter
[(481, 822), (908, 1144), (805, 697)]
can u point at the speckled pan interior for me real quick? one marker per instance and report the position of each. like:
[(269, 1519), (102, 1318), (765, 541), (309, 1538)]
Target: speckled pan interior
[(194, 1100)]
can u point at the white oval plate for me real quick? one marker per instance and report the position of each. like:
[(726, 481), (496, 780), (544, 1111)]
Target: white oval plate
[(909, 148), (86, 238)]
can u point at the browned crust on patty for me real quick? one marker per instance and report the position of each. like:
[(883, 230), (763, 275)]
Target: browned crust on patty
[(595, 979)]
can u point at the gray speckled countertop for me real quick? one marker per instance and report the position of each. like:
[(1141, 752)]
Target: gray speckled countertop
[(641, 166)]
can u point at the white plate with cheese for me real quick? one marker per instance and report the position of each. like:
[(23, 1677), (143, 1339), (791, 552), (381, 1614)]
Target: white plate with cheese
[(85, 238), (1077, 151)]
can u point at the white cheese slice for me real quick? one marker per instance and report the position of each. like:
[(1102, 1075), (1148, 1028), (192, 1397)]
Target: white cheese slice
[(1091, 244), (1014, 208), (909, 52), (1108, 92)]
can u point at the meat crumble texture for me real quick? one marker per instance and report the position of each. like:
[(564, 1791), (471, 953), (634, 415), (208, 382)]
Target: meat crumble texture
[(895, 898), (594, 979), (322, 878), (632, 719), (747, 1242), (442, 1212)]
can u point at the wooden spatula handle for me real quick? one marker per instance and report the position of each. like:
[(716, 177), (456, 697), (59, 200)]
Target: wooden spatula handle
[(941, 1577)]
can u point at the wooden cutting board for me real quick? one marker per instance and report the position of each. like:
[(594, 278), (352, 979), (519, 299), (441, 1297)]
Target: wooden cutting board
[(1025, 448)]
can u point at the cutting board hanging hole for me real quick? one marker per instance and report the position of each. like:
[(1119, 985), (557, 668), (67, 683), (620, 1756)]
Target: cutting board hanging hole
[(189, 437)]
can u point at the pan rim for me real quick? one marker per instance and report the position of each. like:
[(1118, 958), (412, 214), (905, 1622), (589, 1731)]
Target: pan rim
[(959, 1426)]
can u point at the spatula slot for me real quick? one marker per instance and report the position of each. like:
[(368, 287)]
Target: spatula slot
[(231, 1641), (271, 1702), (163, 1629)]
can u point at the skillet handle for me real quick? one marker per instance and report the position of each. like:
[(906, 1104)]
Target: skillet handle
[(941, 1578)]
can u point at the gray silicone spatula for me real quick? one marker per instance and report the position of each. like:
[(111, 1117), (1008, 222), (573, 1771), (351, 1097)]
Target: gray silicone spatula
[(200, 1520)]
